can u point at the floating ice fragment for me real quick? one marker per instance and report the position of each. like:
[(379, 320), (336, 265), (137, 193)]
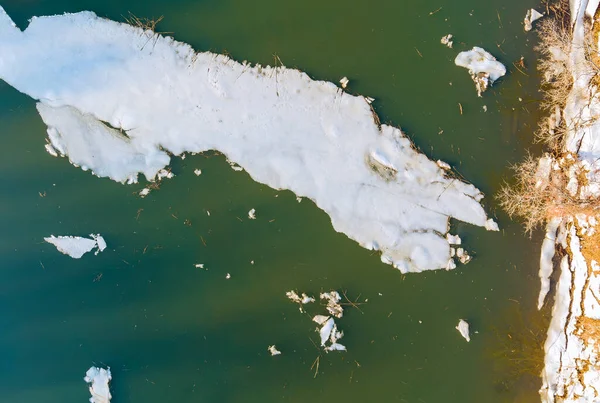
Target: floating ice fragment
[(463, 256), (306, 299), (144, 192), (99, 379), (463, 329), (273, 350), (235, 166), (76, 246), (197, 172), (344, 82), (483, 67), (530, 17), (51, 150), (215, 103), (444, 165), (484, 107), (335, 347), (320, 319), (164, 173), (333, 305), (199, 265), (447, 40), (252, 214), (228, 276), (451, 264), (325, 331), (299, 199), (453, 239), (491, 225), (369, 100), (293, 296)]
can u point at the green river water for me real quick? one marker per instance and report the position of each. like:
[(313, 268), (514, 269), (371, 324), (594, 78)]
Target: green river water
[(173, 333)]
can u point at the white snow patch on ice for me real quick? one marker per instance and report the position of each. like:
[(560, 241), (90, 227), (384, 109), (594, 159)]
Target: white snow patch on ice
[(285, 129)]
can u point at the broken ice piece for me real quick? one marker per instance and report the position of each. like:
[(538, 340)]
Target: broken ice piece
[(483, 67), (228, 276), (99, 379), (293, 296), (164, 173), (144, 192), (344, 82), (463, 256), (335, 347), (447, 40), (463, 329), (444, 165), (491, 225), (51, 150), (453, 239), (325, 331), (530, 17), (198, 172), (235, 166), (76, 246), (306, 299), (199, 265), (252, 214), (333, 305), (320, 319), (273, 350)]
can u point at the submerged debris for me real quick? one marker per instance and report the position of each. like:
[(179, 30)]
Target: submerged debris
[(447, 40), (273, 350), (531, 16), (463, 329), (99, 379), (483, 67)]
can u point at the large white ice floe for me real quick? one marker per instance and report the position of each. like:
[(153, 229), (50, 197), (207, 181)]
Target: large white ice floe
[(117, 100), (483, 67), (98, 378), (76, 246)]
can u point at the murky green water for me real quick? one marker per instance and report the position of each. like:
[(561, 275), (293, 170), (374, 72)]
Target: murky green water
[(174, 333)]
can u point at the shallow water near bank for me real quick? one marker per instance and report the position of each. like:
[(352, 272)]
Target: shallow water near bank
[(173, 332)]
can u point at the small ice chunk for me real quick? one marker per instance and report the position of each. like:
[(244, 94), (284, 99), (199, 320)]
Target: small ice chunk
[(463, 329), (447, 40), (197, 172), (530, 17), (333, 306), (463, 256), (76, 246), (451, 264), (483, 67), (306, 299), (491, 225), (235, 166), (335, 347), (164, 173), (299, 199), (99, 379), (100, 242), (369, 100), (344, 82), (252, 214), (144, 192), (51, 150), (453, 239), (228, 276), (293, 296), (484, 107), (444, 165), (325, 331), (273, 350), (199, 265), (320, 319)]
